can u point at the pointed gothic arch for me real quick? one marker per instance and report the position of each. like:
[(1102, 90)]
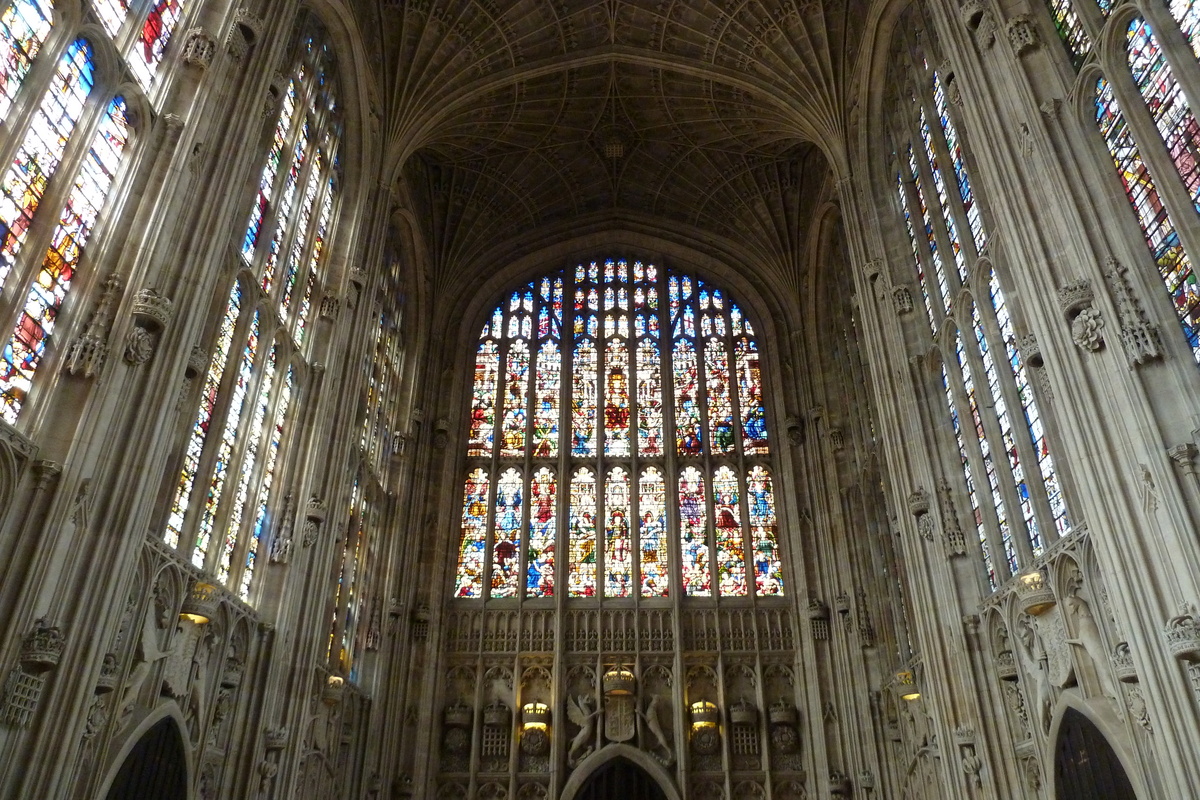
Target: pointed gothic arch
[(632, 761)]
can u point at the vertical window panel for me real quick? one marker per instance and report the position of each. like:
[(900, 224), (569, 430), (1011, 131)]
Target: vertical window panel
[(241, 497), (1070, 30), (226, 444), (652, 501), (618, 540), (24, 26), (943, 197), (583, 400), (1033, 418), (473, 544), (1174, 265), (506, 550), (483, 408), (972, 494), (35, 324), (581, 578), (153, 38), (649, 399), (39, 154), (1168, 107), (958, 162), (616, 402), (930, 238), (731, 548), (284, 213), (546, 392), (717, 391), (693, 518), (985, 446), (750, 397), (1187, 14), (208, 400), (516, 399), (543, 513), (912, 239), (266, 183), (689, 434), (768, 570), (268, 478)]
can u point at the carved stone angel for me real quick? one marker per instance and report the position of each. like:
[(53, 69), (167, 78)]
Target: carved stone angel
[(579, 711)]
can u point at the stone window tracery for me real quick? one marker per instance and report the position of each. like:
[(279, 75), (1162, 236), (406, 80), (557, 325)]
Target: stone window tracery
[(47, 79), (647, 467), (226, 488), (1145, 87), (1009, 474)]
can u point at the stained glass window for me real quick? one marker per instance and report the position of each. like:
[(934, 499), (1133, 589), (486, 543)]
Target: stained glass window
[(228, 491), (1006, 467), (1174, 265), (23, 27), (1070, 29), (628, 496)]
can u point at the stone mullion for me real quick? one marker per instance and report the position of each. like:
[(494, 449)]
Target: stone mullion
[(991, 424), (934, 208), (941, 150), (1035, 484), (672, 463), (975, 459)]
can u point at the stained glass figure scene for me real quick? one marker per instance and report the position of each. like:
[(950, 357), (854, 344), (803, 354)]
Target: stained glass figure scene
[(664, 438)]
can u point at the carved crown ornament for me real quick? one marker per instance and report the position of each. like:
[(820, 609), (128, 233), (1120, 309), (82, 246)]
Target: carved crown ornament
[(42, 647), (1182, 633)]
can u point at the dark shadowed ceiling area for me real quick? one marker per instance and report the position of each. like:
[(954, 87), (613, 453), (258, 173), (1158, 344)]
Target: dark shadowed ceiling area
[(514, 121)]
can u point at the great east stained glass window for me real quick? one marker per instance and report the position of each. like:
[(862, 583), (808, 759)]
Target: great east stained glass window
[(227, 485), (617, 419)]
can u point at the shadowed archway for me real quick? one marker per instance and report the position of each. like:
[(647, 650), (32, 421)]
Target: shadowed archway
[(620, 779), (1085, 764), (156, 768)]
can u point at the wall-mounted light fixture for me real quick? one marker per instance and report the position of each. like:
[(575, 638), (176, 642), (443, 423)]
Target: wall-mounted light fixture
[(619, 681), (705, 714), (906, 685), (535, 715), (1035, 593), (201, 603)]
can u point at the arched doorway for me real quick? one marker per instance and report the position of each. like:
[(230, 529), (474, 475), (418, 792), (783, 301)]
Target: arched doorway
[(1085, 765), (620, 779), (156, 767)]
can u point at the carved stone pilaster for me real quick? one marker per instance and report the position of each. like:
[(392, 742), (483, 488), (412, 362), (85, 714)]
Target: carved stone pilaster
[(86, 353), (956, 543), (1139, 336)]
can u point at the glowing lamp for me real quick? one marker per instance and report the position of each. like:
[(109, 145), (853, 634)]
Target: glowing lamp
[(1035, 595), (535, 715), (619, 681), (201, 603), (705, 714), (907, 686)]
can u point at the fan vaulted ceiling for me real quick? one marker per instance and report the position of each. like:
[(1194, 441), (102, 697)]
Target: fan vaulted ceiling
[(513, 119)]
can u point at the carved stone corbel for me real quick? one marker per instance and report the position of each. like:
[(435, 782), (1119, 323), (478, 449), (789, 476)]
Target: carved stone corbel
[(1185, 456), (1022, 35), (152, 311), (199, 47), (1076, 299), (978, 19)]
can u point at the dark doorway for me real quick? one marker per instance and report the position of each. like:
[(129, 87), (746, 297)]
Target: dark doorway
[(620, 779), (156, 767), (1085, 766)]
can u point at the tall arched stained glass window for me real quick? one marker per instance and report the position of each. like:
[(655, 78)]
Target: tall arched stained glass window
[(1009, 477), (142, 31), (36, 269), (228, 483), (664, 482)]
